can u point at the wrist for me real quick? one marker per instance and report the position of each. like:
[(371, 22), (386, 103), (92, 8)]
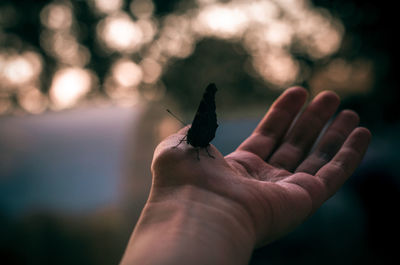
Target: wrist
[(205, 226)]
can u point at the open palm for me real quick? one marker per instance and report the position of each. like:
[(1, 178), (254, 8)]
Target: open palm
[(279, 175)]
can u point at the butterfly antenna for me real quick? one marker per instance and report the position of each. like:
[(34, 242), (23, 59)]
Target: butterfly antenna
[(176, 117)]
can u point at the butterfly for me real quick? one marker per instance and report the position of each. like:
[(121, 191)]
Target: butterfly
[(204, 125)]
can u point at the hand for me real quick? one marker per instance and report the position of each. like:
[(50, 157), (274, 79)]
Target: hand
[(272, 182)]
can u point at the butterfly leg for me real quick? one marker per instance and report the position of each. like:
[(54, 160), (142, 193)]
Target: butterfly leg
[(208, 153), (198, 153), (182, 140)]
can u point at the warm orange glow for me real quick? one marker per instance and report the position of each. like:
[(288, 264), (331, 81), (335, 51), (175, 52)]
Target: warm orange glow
[(2, 77), (18, 70), (326, 42), (21, 69), (321, 36), (225, 21), (277, 67), (278, 34), (176, 38), (56, 16), (64, 46), (120, 33), (151, 70), (5, 105), (340, 75), (206, 2), (127, 73), (121, 95), (32, 100), (36, 61), (107, 6), (142, 8), (154, 92), (69, 85), (267, 29), (262, 11), (180, 47), (148, 28)]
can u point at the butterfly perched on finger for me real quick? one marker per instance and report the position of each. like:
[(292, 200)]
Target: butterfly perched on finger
[(204, 125)]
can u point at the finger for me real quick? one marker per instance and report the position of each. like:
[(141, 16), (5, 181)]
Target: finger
[(184, 130), (330, 142), (305, 131), (275, 123), (339, 169)]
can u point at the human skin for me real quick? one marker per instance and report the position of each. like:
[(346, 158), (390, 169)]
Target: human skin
[(218, 210)]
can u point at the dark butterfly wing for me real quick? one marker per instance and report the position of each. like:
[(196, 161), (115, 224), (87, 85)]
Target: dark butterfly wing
[(204, 124)]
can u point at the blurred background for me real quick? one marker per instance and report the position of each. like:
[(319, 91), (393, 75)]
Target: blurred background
[(84, 85)]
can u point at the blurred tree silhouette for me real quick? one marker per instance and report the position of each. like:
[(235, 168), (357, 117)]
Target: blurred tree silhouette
[(179, 54), (221, 62), (370, 34)]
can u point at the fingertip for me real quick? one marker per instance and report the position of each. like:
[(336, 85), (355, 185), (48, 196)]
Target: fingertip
[(351, 116), (329, 93), (325, 103), (359, 140), (363, 134), (297, 91), (293, 97), (329, 97)]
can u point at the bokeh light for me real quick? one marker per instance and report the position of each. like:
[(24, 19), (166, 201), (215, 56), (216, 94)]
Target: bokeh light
[(280, 38), (268, 29), (142, 8), (64, 47), (152, 70), (127, 73), (19, 69), (32, 100), (107, 6), (226, 21), (148, 28), (120, 33), (339, 73), (69, 85), (57, 16), (277, 67), (124, 96)]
